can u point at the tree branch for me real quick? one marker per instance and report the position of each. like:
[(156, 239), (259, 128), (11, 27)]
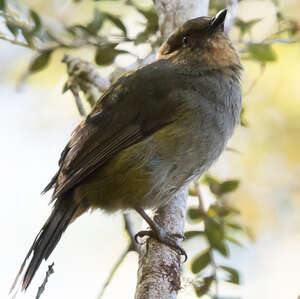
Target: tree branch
[(84, 77), (42, 287), (174, 13), (231, 13), (85, 71), (159, 265), (15, 42)]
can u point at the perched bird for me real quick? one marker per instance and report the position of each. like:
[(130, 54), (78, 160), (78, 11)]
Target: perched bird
[(152, 132)]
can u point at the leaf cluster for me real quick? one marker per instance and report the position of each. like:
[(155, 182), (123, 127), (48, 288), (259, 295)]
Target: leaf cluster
[(219, 230), (36, 35)]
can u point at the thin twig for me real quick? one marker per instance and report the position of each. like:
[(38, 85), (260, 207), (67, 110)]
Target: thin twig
[(210, 250), (16, 42), (12, 19), (81, 70), (129, 228), (84, 77), (77, 42), (133, 246), (113, 270), (43, 285), (233, 150), (199, 195), (215, 268), (78, 101), (255, 81)]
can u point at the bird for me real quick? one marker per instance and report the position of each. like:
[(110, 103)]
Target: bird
[(151, 133)]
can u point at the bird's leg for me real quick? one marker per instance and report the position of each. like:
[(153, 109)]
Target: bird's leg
[(159, 234)]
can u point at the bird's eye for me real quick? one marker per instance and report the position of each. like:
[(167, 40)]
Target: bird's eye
[(185, 40)]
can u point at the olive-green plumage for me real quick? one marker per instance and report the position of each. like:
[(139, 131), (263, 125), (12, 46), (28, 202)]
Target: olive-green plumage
[(151, 133)]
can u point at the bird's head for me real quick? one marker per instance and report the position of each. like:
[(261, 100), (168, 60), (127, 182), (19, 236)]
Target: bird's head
[(201, 42)]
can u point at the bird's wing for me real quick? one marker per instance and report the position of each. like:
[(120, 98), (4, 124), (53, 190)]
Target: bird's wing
[(131, 110)]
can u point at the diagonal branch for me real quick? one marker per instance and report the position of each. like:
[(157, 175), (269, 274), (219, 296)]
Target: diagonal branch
[(113, 271), (84, 77), (133, 246)]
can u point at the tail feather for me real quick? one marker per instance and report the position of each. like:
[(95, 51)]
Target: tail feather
[(51, 184), (47, 239)]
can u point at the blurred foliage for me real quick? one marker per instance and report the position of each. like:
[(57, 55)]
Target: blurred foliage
[(217, 225), (35, 34), (219, 229)]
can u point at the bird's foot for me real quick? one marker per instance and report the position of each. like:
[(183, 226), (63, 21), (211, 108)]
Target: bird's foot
[(161, 236)]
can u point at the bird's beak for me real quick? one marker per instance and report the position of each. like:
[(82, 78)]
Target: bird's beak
[(219, 20)]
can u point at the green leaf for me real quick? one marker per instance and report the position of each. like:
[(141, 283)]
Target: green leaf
[(262, 53), (202, 290), (151, 27), (65, 88), (218, 188), (244, 122), (142, 38), (28, 36), (200, 261), (235, 226), (192, 192), (14, 29), (234, 241), (106, 55), (214, 231), (221, 211), (245, 26), (40, 62), (117, 22), (152, 20), (95, 25), (36, 20), (215, 235), (2, 5), (293, 27), (195, 214), (222, 248), (213, 184), (193, 233), (229, 186), (213, 211), (234, 276)]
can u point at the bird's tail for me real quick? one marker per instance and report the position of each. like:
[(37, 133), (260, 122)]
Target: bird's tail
[(46, 240)]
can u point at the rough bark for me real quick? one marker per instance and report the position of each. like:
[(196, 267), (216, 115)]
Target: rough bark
[(172, 13), (159, 265)]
